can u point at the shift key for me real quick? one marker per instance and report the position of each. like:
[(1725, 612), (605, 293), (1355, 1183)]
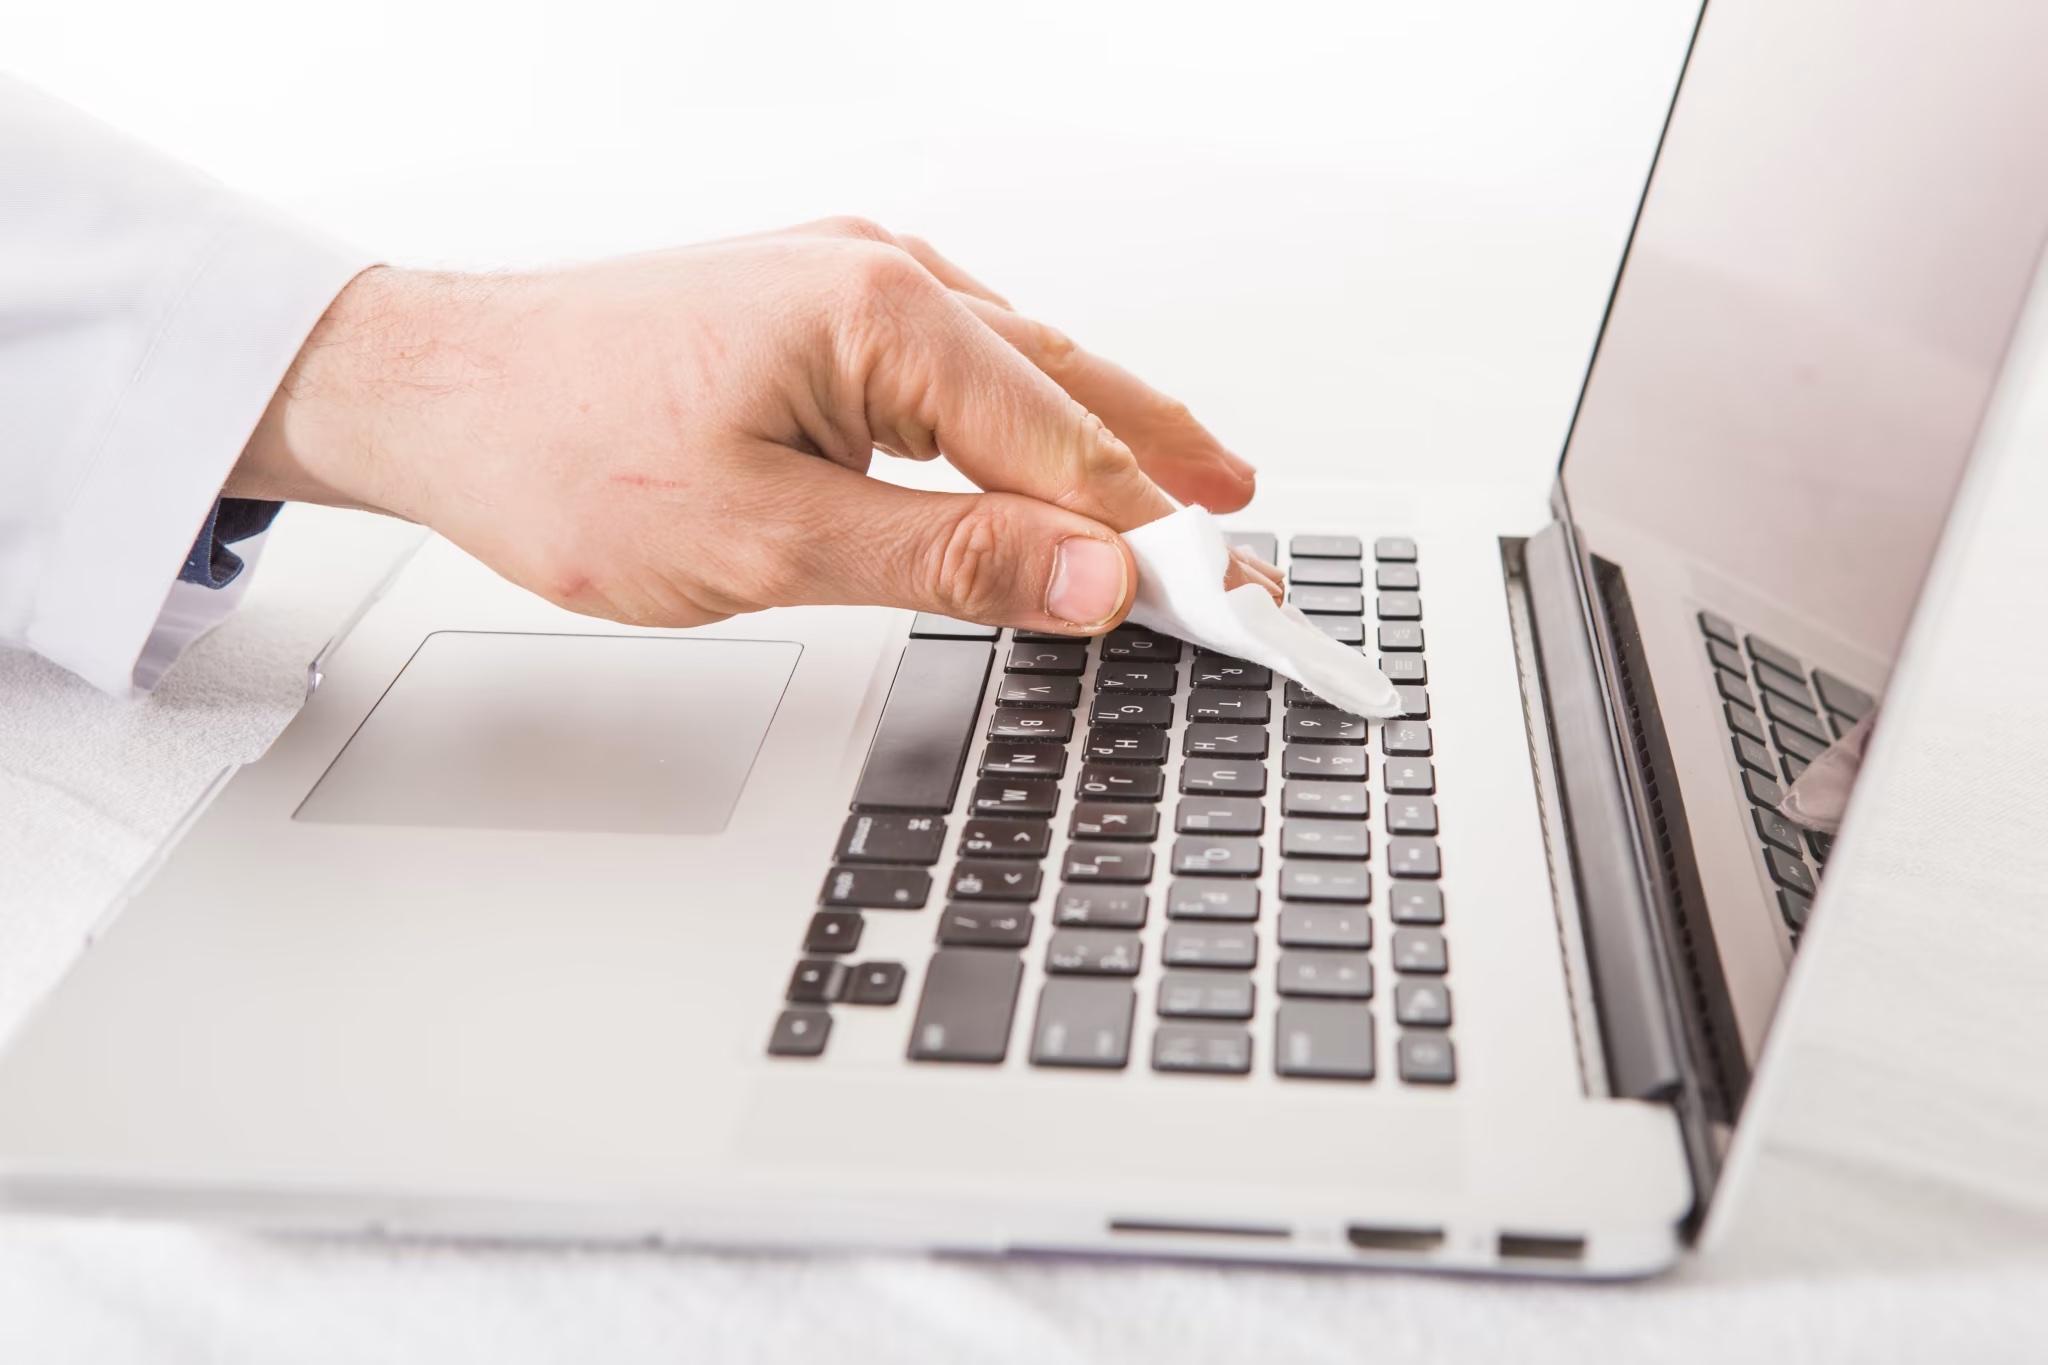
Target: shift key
[(964, 1014)]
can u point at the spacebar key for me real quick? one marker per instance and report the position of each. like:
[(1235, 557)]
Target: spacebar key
[(964, 1013), (921, 742)]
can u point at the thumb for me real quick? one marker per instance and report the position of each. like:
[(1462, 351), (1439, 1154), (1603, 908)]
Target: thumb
[(997, 558)]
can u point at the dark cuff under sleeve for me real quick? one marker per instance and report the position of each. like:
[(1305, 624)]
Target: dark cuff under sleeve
[(212, 564)]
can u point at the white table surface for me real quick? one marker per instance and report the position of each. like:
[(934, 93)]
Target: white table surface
[(1363, 239)]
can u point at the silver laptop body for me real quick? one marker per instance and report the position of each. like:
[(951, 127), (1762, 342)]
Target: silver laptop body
[(817, 928)]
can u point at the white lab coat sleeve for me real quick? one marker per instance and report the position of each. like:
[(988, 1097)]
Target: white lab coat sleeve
[(147, 315)]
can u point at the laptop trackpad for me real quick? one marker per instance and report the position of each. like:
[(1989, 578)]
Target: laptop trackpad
[(626, 734)]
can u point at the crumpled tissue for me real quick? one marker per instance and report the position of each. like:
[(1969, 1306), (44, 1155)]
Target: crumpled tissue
[(1182, 558)]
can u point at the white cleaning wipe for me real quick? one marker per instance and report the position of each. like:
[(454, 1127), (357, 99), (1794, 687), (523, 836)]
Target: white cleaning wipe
[(1181, 562)]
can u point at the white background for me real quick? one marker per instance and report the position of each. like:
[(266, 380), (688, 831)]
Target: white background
[(1355, 237)]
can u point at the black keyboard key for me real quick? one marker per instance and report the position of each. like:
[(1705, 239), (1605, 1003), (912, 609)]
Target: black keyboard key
[(1842, 698), (1398, 606), (1328, 601), (1209, 1048), (1769, 653), (1345, 630), (1237, 741), (881, 837), (1421, 951), (1410, 857), (1190, 944), (1299, 697), (1220, 815), (1774, 828), (1798, 717), (1794, 767), (1107, 863), (1093, 952), (1113, 820), (1232, 705), (1343, 976), (1205, 898), (1133, 644), (1821, 844), (1338, 883), (1411, 815), (1422, 1004), (1197, 855), (963, 1014), (1335, 800), (1801, 747), (1396, 578), (816, 981), (1752, 755), (1022, 796), (1406, 739), (833, 931), (1762, 790), (1410, 777), (987, 879), (1784, 684), (1083, 1023), (1718, 628), (1325, 547), (989, 836), (1325, 839), (1067, 657), (1130, 709), (1414, 701), (1101, 907), (1023, 722), (1217, 670), (1263, 544), (1734, 690), (1400, 637), (1120, 782), (1206, 995), (1323, 726), (1727, 656), (1394, 550), (1326, 573), (1790, 871), (1223, 776), (881, 888), (920, 743), (1404, 668), (1031, 689), (1427, 1059), (1323, 762), (1416, 903), (1324, 1039), (875, 983), (931, 626), (800, 1033), (1045, 637), (1743, 721), (1010, 758), (1136, 677), (1126, 744), (1325, 926), (1796, 909)]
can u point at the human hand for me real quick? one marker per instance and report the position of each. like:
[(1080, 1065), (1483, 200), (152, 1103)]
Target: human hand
[(671, 439)]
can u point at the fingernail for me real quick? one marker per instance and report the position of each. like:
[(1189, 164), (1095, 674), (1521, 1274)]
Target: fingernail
[(1087, 583)]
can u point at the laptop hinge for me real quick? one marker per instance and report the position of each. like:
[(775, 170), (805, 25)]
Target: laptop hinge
[(1607, 867)]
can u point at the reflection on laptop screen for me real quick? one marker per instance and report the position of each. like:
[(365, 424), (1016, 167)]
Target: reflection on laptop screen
[(1831, 255)]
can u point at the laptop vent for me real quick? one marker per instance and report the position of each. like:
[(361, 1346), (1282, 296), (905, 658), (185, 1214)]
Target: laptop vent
[(1712, 1013)]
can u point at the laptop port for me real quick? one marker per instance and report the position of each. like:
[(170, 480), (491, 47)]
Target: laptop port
[(1410, 1241), (1523, 1246)]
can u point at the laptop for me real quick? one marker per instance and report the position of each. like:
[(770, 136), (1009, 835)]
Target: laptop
[(839, 927)]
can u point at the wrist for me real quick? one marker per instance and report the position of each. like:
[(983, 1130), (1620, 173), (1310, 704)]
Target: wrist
[(343, 426)]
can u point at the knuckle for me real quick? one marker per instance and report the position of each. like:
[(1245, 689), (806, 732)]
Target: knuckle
[(966, 563), (853, 225), (1054, 349), (879, 274), (1104, 459)]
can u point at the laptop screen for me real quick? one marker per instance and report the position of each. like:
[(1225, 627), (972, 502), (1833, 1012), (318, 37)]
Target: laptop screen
[(1831, 254)]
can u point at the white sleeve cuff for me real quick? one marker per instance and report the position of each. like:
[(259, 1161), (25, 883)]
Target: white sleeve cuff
[(259, 285)]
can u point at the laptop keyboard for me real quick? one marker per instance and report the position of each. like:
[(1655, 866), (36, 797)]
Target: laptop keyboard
[(1780, 716), (1185, 844)]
